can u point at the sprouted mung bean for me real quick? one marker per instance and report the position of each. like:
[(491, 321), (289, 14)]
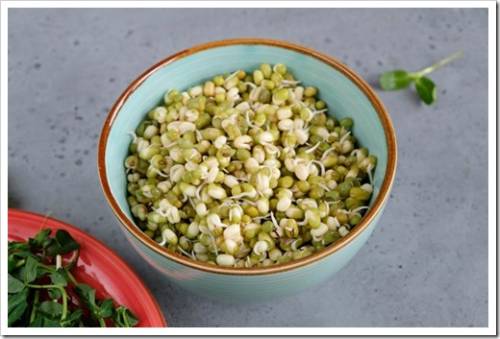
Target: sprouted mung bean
[(247, 170)]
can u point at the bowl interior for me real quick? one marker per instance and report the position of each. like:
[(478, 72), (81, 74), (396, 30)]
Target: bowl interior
[(343, 97)]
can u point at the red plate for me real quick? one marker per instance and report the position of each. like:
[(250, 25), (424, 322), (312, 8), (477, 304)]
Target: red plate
[(98, 266)]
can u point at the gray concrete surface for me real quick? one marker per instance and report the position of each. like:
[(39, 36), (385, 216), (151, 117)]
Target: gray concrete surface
[(426, 264)]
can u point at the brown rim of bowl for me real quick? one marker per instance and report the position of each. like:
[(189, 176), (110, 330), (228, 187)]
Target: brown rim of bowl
[(367, 218)]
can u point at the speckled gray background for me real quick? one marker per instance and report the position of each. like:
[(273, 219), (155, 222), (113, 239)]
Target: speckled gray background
[(426, 263)]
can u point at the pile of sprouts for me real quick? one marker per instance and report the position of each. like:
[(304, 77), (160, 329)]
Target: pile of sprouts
[(247, 170)]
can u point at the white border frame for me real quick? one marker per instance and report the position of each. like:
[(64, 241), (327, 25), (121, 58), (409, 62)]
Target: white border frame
[(492, 184)]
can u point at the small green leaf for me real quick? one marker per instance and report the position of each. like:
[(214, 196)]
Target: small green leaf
[(15, 246), (47, 322), (394, 80), (21, 254), (37, 321), (63, 244), (73, 319), (15, 285), (106, 308), (58, 278), (51, 309), (426, 90), (66, 241), (12, 263), (40, 239), (54, 293), (17, 306), (87, 294), (123, 317), (18, 252), (45, 270), (30, 270)]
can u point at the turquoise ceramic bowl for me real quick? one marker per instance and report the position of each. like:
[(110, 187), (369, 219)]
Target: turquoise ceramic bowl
[(346, 95)]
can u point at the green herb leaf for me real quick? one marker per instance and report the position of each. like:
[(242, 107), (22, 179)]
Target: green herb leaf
[(63, 244), (12, 263), (87, 294), (18, 252), (54, 293), (44, 270), (123, 317), (73, 319), (17, 306), (51, 309), (394, 80), (58, 278), (66, 241), (40, 239), (37, 321), (30, 270), (44, 321), (426, 90), (15, 285), (106, 308), (15, 246)]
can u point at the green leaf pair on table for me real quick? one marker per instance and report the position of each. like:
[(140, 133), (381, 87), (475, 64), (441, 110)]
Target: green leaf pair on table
[(425, 87)]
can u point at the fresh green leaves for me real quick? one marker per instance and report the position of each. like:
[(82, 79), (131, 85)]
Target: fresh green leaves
[(63, 243), (39, 290), (425, 87), (101, 311), (87, 295), (106, 308), (41, 239), (124, 318)]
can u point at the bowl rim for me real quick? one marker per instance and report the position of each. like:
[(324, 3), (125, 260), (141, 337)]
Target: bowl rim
[(377, 205)]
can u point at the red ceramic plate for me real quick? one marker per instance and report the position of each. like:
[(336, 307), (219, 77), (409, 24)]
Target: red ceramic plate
[(98, 266)]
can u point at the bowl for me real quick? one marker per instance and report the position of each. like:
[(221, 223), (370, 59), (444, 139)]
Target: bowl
[(346, 95), (97, 266)]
